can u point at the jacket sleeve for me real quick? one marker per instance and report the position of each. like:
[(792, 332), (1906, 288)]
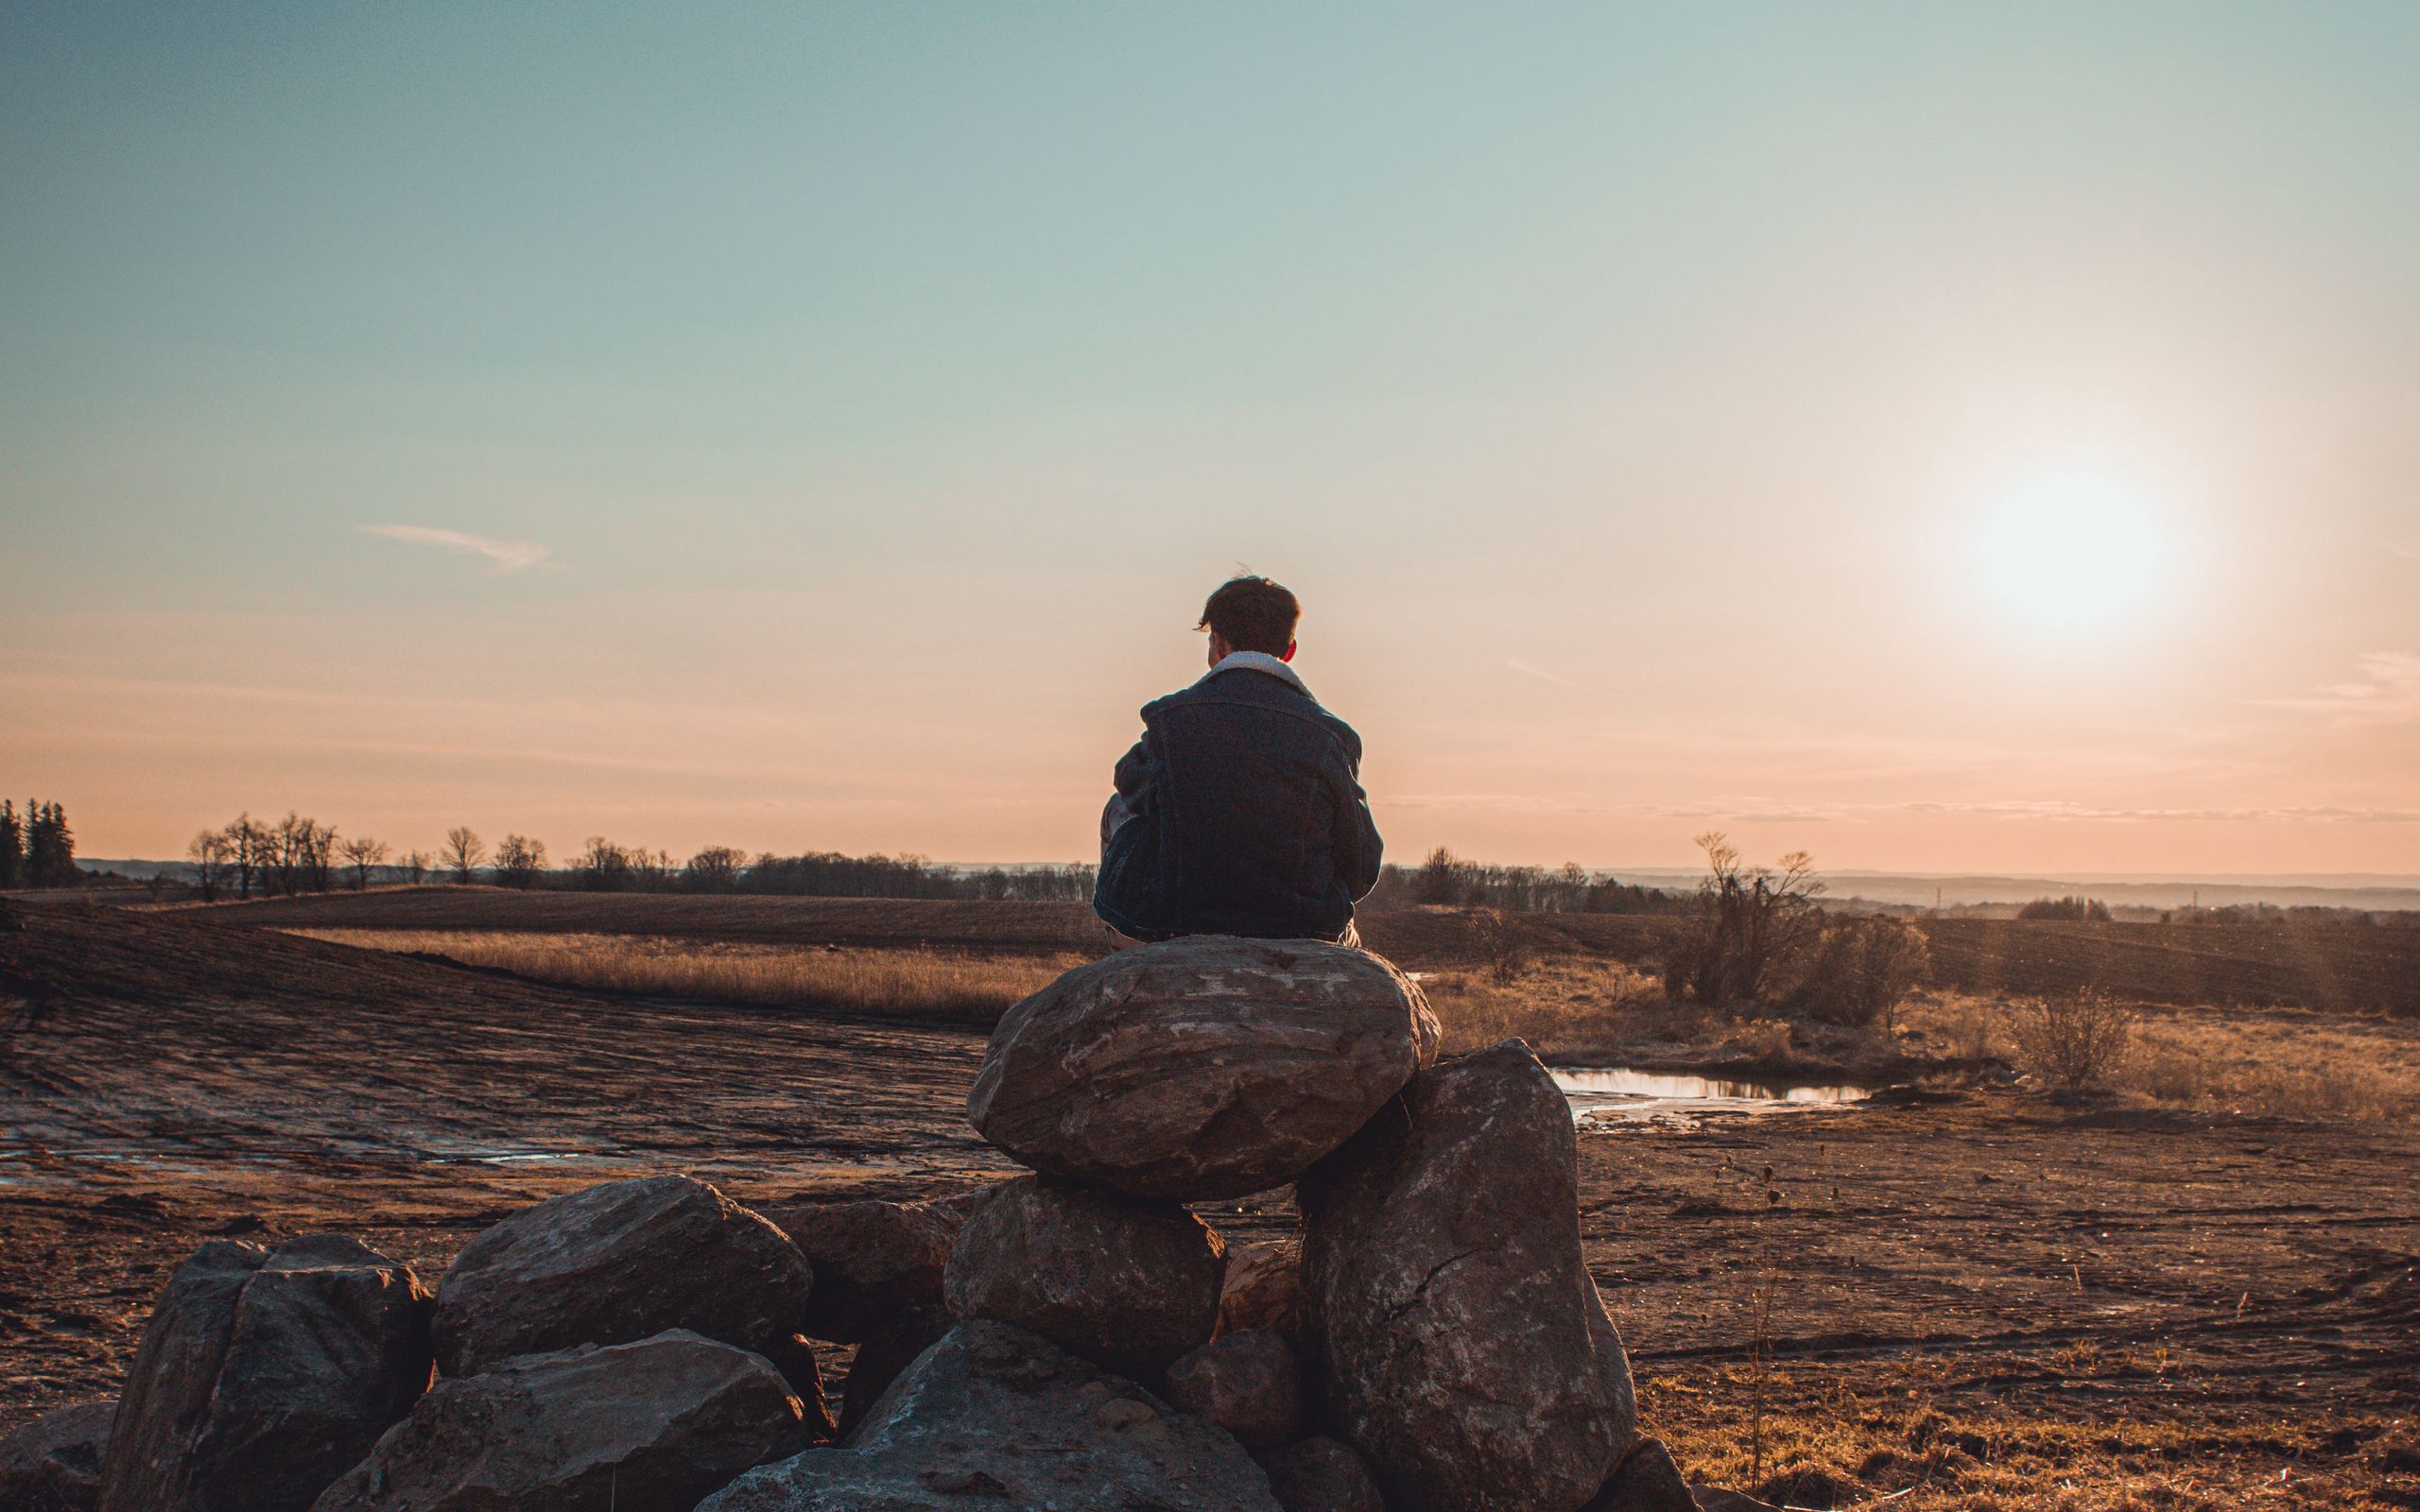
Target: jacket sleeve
[(1358, 852), (1133, 773)]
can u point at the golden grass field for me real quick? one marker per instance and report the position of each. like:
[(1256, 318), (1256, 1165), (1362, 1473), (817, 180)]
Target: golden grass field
[(915, 983), (1572, 1009)]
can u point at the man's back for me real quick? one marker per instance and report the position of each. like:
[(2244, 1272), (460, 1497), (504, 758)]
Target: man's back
[(1247, 814)]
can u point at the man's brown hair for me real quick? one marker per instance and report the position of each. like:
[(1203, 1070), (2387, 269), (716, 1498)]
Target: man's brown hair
[(1252, 614)]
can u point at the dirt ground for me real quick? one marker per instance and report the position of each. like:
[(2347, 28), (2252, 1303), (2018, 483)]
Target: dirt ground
[(1978, 1299)]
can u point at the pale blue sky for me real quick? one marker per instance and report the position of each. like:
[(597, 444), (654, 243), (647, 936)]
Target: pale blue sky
[(1624, 389)]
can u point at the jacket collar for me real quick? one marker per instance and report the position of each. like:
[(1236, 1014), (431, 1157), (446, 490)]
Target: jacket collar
[(1258, 661)]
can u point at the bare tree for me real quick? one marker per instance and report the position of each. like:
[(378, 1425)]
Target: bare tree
[(247, 850), (361, 854), (415, 864), (207, 853), (1750, 921), (463, 853), (519, 860), (717, 869)]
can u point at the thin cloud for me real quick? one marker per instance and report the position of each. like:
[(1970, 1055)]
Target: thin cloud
[(1544, 676), (2387, 692), (508, 555)]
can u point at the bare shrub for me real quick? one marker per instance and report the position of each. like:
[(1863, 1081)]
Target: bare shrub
[(1750, 923), (1499, 946), (1862, 969), (2074, 1042)]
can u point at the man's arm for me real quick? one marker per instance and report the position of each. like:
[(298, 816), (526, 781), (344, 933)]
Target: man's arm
[(1358, 852), (1132, 776)]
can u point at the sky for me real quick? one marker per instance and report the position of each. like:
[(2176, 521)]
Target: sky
[(1935, 437)]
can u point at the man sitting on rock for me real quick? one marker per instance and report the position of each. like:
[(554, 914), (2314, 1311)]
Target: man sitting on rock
[(1241, 811)]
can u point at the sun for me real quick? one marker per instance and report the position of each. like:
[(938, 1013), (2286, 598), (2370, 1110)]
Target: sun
[(2072, 551)]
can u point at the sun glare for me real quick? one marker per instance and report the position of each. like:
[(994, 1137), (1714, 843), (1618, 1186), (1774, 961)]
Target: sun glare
[(2072, 551)]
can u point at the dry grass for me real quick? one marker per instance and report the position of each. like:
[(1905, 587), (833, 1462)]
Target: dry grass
[(1569, 1008), (923, 982), (1913, 1435), (2284, 1062)]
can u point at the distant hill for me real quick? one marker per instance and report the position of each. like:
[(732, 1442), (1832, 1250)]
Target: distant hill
[(2373, 891)]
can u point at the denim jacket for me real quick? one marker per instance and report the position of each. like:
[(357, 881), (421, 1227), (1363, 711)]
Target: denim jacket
[(1245, 814)]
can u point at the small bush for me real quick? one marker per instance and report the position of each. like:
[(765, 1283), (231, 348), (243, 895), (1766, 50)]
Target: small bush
[(2074, 1042), (1499, 946), (1861, 971)]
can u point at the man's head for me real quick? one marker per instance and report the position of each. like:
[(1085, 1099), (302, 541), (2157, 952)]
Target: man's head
[(1251, 614)]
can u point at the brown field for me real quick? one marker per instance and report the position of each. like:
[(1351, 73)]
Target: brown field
[(1977, 1295)]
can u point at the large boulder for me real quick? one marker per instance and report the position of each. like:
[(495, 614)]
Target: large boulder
[(1201, 1068), (1249, 1383), (53, 1463), (621, 1262), (872, 1259), (263, 1375), (1460, 1343), (653, 1426), (993, 1417), (1320, 1475), (1128, 1284)]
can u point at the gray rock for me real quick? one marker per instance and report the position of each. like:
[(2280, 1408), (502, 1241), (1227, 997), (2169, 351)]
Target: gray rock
[(1249, 1383), (1127, 1284), (1263, 1288), (1204, 1067), (265, 1375), (653, 1426), (1320, 1475), (621, 1262), (53, 1463), (872, 1259), (1647, 1481), (995, 1418), (880, 1359), (1459, 1341)]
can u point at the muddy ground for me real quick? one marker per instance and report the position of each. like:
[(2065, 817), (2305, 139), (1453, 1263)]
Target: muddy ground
[(1983, 1295)]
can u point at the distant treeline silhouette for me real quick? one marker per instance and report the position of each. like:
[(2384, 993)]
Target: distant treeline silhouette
[(2074, 905), (37, 850), (1446, 880)]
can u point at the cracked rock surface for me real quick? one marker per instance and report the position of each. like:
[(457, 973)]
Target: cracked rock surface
[(1459, 1338), (1201, 1068), (993, 1417)]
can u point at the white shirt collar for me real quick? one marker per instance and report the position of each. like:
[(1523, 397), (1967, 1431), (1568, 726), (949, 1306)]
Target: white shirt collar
[(1259, 662)]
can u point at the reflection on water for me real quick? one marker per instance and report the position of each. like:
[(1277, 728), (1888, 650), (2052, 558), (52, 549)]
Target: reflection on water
[(1617, 1092)]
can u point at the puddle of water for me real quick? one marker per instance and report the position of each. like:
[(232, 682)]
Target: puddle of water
[(1616, 1093), (518, 1157)]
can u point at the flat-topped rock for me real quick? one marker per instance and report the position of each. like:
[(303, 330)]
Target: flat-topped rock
[(1201, 1068)]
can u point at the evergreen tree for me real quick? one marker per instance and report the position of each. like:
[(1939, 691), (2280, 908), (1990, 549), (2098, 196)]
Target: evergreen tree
[(50, 848), (12, 847)]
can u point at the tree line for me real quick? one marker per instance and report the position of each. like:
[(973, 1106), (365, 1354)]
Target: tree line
[(1445, 880), (37, 848)]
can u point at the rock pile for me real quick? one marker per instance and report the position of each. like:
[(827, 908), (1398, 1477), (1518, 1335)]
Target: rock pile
[(1073, 1338)]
